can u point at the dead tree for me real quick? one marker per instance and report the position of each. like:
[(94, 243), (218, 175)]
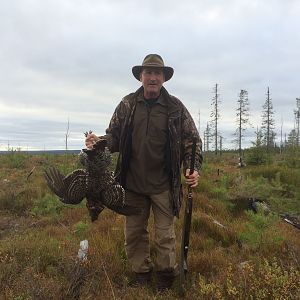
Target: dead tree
[(67, 135), (207, 137), (292, 138), (199, 121), (215, 115), (281, 141), (297, 120), (221, 145)]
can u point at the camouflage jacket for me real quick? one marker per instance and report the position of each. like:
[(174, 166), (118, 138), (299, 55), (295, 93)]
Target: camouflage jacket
[(181, 132)]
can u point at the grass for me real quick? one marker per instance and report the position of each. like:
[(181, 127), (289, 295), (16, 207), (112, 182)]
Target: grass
[(234, 253)]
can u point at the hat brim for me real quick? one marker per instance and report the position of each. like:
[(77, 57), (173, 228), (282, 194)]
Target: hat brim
[(136, 71)]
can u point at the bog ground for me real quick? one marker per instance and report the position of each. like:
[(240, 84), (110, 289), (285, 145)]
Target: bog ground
[(235, 253)]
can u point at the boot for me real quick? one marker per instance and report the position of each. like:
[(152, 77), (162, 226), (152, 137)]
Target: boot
[(165, 280), (141, 279)]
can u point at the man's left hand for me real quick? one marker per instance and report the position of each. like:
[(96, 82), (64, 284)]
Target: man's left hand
[(192, 179)]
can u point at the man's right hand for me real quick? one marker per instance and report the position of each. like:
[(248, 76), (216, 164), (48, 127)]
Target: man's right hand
[(90, 140)]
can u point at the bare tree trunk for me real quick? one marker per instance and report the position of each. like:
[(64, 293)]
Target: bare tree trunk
[(281, 146), (66, 144), (215, 115), (216, 119), (199, 121), (298, 120), (207, 137), (268, 118), (67, 135), (240, 125)]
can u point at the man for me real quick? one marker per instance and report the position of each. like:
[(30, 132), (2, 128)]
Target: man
[(153, 133)]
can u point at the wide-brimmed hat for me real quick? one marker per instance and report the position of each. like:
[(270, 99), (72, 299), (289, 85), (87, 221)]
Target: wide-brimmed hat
[(154, 61)]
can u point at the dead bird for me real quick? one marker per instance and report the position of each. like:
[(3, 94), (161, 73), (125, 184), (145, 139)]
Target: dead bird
[(94, 182)]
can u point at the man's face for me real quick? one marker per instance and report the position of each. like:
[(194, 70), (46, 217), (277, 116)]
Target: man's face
[(152, 80)]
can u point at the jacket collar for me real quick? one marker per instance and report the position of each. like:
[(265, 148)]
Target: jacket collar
[(171, 103), (161, 99)]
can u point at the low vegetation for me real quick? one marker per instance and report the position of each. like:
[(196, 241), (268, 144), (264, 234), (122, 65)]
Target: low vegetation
[(235, 253)]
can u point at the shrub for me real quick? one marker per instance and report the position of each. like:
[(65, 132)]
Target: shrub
[(260, 230), (33, 266), (253, 188), (14, 199), (220, 193), (15, 159), (264, 280), (272, 281), (47, 205), (81, 228), (275, 185), (292, 157), (256, 156)]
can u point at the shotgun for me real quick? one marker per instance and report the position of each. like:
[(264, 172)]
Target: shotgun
[(185, 236)]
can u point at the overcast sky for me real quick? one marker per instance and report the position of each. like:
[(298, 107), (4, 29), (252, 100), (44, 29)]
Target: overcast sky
[(72, 59)]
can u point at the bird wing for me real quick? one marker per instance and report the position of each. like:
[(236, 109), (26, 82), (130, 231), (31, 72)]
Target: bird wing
[(70, 189), (114, 199)]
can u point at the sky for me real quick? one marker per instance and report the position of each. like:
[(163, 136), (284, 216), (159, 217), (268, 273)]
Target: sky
[(69, 62)]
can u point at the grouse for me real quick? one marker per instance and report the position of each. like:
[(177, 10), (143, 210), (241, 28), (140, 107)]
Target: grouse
[(94, 182)]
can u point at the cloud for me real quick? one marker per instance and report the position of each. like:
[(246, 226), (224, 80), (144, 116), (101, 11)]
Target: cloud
[(73, 59)]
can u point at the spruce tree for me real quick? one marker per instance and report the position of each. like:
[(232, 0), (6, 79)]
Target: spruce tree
[(268, 123), (242, 119)]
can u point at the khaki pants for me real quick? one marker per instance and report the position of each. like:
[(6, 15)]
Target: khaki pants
[(137, 235)]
